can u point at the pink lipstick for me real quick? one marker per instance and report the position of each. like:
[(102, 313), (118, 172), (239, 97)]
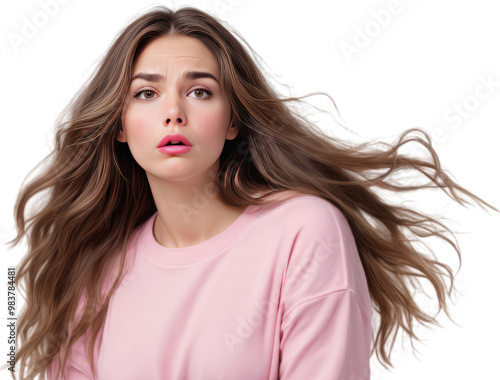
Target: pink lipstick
[(174, 144)]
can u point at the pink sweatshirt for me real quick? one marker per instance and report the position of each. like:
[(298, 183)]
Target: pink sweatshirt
[(279, 294)]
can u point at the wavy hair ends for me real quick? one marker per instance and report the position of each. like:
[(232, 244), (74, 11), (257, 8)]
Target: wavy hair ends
[(98, 195)]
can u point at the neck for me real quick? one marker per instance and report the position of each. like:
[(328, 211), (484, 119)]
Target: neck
[(189, 211)]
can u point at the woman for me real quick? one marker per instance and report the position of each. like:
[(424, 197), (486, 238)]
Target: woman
[(254, 251)]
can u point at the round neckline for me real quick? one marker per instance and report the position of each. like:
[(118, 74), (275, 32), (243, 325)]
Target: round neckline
[(193, 253)]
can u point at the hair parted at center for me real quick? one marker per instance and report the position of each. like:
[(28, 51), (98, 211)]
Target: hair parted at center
[(97, 194)]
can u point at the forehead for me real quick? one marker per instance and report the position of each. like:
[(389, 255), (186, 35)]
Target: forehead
[(176, 51)]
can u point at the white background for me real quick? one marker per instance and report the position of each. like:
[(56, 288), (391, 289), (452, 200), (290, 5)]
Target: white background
[(418, 62)]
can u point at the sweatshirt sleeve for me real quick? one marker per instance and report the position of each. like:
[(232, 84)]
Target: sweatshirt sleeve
[(77, 366), (326, 338), (326, 325)]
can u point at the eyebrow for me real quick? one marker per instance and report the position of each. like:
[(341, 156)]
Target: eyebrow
[(190, 75)]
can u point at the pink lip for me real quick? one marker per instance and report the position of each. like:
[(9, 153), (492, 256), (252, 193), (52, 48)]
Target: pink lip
[(174, 137), (174, 149)]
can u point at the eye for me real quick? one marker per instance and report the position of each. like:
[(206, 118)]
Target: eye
[(146, 92), (149, 94), (199, 90)]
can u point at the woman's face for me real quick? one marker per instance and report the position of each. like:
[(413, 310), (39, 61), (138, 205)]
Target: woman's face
[(196, 108)]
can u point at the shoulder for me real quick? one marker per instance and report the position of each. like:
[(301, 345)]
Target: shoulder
[(322, 254), (306, 210)]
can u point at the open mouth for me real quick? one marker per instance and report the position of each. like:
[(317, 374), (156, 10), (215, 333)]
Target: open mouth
[(171, 143)]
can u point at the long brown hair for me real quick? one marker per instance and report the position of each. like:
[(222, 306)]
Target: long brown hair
[(97, 195)]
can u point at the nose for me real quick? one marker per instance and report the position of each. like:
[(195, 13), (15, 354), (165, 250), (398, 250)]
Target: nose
[(178, 119), (174, 115)]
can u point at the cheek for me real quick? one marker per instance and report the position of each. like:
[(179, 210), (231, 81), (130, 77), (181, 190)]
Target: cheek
[(214, 124), (137, 125)]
